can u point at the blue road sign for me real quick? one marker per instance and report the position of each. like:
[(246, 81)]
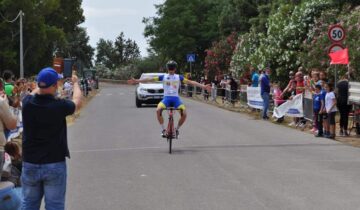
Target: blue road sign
[(190, 58)]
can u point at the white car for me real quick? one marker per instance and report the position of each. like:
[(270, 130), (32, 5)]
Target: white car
[(149, 93)]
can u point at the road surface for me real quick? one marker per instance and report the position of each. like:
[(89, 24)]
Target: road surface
[(222, 161)]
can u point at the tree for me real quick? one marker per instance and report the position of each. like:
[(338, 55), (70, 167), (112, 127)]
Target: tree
[(122, 52), (105, 53), (183, 27), (78, 46), (47, 25), (125, 51), (236, 14)]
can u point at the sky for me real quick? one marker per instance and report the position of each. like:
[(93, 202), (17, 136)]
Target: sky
[(108, 18)]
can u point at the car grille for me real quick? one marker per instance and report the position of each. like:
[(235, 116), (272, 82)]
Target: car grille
[(155, 91)]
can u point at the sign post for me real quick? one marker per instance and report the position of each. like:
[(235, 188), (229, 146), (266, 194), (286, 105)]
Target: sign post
[(190, 58), (336, 34)]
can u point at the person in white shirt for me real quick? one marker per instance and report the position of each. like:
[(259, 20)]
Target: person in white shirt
[(330, 108)]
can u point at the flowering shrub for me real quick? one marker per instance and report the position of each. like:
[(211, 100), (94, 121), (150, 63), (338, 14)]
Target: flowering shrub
[(218, 57), (281, 46)]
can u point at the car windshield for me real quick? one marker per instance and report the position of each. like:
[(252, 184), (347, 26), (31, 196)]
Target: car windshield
[(145, 76)]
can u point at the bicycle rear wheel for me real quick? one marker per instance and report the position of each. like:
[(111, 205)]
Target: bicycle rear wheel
[(170, 144)]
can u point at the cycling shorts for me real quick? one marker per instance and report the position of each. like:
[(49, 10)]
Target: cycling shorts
[(172, 101)]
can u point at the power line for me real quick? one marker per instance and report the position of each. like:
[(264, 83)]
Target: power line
[(10, 21)]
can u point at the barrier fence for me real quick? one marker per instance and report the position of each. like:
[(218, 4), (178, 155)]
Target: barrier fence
[(240, 98)]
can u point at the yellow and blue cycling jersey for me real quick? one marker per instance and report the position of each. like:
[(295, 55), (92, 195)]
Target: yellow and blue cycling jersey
[(171, 91)]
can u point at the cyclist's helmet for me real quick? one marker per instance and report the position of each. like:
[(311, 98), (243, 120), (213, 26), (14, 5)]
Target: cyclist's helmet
[(171, 65)]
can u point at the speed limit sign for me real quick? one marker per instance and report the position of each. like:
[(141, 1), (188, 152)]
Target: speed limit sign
[(336, 33)]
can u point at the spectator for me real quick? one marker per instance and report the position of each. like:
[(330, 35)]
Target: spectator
[(67, 89), (214, 85), (254, 77), (206, 93), (223, 88), (234, 90), (265, 92), (13, 150), (8, 121), (330, 106), (189, 87), (8, 85), (278, 100), (323, 76), (342, 104), (262, 73), (324, 114), (318, 106), (315, 79), (289, 93), (45, 145), (300, 86), (289, 86)]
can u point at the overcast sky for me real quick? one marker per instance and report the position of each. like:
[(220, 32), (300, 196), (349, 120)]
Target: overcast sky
[(107, 18)]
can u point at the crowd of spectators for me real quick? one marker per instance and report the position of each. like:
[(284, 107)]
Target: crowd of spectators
[(327, 98)]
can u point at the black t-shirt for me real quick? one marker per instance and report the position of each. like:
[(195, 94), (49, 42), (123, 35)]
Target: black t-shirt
[(233, 85), (45, 131), (343, 92)]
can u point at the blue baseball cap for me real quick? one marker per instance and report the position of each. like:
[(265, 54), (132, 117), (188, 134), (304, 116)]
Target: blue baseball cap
[(47, 77)]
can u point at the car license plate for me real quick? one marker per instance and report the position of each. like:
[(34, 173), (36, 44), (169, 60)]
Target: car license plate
[(157, 97)]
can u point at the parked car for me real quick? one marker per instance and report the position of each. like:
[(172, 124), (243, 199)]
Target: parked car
[(149, 93)]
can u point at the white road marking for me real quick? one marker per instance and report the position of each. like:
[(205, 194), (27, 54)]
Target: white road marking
[(234, 146)]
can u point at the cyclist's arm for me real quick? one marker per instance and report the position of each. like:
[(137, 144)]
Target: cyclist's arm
[(190, 82), (133, 81)]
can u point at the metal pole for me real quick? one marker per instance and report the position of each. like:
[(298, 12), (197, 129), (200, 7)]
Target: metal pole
[(194, 87), (21, 46), (335, 75)]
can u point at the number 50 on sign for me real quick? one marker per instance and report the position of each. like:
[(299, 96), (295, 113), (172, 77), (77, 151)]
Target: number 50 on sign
[(336, 33)]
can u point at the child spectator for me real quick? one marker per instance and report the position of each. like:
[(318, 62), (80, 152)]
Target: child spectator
[(289, 93), (13, 149), (330, 106), (278, 100), (318, 106)]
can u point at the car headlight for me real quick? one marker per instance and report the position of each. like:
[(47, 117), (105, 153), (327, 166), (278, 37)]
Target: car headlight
[(143, 90)]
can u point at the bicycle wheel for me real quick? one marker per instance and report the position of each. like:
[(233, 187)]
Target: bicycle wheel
[(170, 144), (170, 133)]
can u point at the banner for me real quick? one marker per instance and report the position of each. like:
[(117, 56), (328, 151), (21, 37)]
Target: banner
[(254, 97), (291, 108)]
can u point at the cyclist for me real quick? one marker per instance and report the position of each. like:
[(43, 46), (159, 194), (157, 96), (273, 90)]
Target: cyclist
[(171, 83)]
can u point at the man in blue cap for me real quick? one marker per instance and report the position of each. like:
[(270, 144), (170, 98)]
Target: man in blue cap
[(44, 144)]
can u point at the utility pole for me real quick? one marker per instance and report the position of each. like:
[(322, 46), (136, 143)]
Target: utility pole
[(21, 53), (21, 14)]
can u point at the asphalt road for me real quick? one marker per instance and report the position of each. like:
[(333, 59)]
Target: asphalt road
[(222, 161)]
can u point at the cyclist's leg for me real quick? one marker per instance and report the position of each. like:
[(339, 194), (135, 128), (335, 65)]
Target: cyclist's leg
[(179, 105), (160, 107)]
